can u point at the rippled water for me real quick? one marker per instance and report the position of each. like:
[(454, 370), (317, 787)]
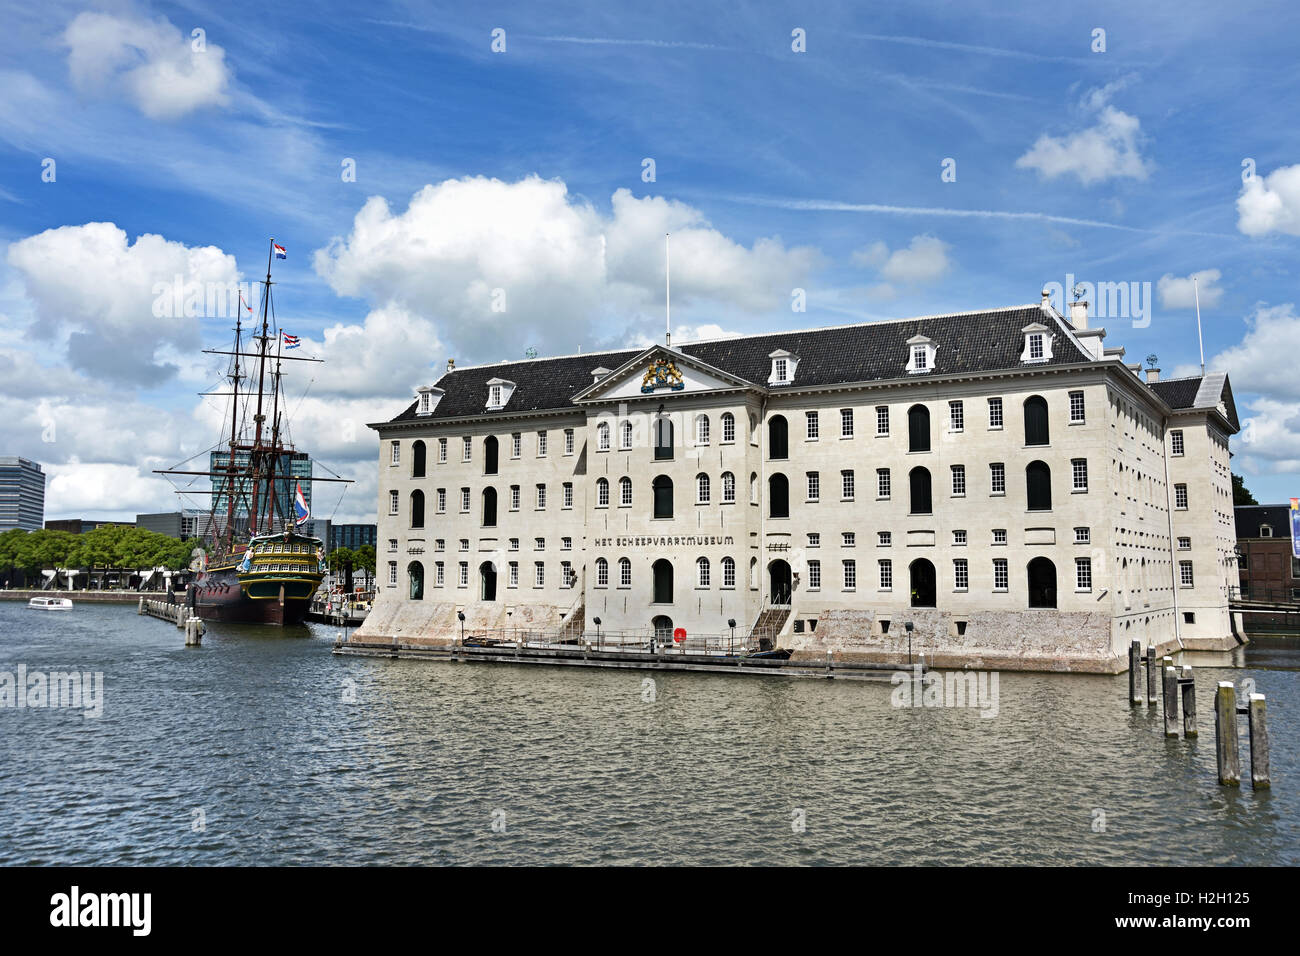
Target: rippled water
[(258, 731)]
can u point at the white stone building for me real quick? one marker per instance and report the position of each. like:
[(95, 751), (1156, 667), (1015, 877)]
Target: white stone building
[(998, 479)]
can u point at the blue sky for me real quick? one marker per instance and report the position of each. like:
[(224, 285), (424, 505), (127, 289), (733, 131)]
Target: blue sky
[(523, 171)]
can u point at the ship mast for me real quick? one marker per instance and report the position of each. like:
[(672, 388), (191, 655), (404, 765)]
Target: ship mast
[(255, 457)]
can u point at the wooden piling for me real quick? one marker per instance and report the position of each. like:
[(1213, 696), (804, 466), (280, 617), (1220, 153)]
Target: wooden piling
[(1151, 675), (1259, 772), (1188, 685), (1171, 701), (140, 609), (1135, 673), (1225, 734)]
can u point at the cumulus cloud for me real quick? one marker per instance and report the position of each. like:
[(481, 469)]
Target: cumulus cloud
[(1109, 149), (1270, 203), (1179, 293), (95, 489), (151, 61), (113, 300), (500, 266), (924, 259)]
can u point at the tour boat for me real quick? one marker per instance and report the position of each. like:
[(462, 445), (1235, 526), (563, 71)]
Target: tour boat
[(50, 604)]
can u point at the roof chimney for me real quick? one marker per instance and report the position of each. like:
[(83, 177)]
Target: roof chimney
[(451, 365), (1153, 375), (1047, 299), (1079, 315), (598, 373)]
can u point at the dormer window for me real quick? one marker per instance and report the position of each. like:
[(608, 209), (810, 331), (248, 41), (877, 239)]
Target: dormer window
[(499, 392), (1038, 343), (427, 399), (598, 373), (783, 367), (920, 354)]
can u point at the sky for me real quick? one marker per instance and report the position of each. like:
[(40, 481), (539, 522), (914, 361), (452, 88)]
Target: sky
[(477, 181)]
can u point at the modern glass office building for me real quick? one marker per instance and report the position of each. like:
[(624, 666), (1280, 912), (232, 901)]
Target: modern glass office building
[(22, 494)]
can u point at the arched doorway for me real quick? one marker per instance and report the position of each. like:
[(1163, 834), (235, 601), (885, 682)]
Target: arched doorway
[(778, 438), (924, 591), (417, 509), (663, 625), (490, 449), (778, 496), (1042, 583), (918, 428), (919, 486), (663, 439), (415, 575), (487, 582), (663, 496), (663, 582), (1038, 486), (780, 582), (1036, 430)]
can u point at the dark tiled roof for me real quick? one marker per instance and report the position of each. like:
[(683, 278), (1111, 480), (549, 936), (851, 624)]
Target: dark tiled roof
[(970, 342), (1178, 392), (1250, 517)]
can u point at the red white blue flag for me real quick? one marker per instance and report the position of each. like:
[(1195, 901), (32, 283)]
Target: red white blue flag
[(279, 251), (300, 506), (291, 341)]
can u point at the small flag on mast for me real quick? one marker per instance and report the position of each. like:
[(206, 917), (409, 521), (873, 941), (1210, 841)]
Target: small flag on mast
[(247, 308), (300, 506), (279, 251), (291, 341)]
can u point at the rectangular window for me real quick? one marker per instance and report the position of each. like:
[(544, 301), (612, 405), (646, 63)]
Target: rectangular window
[(999, 574), (814, 486), (392, 574), (846, 484), (812, 426), (995, 413), (439, 544), (960, 574), (393, 502), (814, 539), (884, 538), (567, 499), (442, 501), (567, 577), (779, 370), (464, 544), (568, 441), (512, 575), (729, 573), (467, 448), (1176, 442), (846, 423), (516, 444), (886, 573), (956, 416), (1036, 345), (514, 497), (464, 499), (464, 574), (494, 397), (1076, 406), (541, 444), (539, 574), (1180, 497), (392, 544), (959, 480), (1185, 544), (539, 544), (1079, 471), (814, 575), (1185, 573), (849, 539), (439, 574), (882, 419), (850, 574), (997, 478), (882, 483), (919, 357), (959, 538), (999, 535), (514, 544), (1083, 574), (396, 455), (1082, 536), (442, 450), (541, 497)]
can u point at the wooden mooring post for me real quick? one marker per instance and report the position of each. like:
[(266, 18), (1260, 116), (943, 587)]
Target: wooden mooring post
[(1135, 673), (1151, 675), (193, 632), (1188, 686), (1259, 771), (1171, 698), (1225, 734)]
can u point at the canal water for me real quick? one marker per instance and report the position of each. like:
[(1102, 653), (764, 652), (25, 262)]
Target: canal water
[(261, 747)]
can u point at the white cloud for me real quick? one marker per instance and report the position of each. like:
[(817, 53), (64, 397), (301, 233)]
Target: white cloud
[(1263, 361), (89, 284), (97, 489), (150, 60), (923, 260), (1110, 149), (1179, 293), (1270, 203), (502, 266)]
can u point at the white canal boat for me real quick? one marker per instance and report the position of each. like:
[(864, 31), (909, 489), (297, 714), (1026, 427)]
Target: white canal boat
[(50, 603)]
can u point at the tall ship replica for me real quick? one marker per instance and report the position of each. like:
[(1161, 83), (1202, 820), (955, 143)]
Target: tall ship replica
[(255, 566)]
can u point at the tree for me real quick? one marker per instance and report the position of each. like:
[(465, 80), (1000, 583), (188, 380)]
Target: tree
[(365, 557), (343, 560), (1240, 493)]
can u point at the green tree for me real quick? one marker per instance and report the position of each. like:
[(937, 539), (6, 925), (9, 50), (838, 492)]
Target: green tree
[(1240, 493), (365, 556), (342, 561)]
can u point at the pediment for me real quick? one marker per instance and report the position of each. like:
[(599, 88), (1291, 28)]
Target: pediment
[(660, 372)]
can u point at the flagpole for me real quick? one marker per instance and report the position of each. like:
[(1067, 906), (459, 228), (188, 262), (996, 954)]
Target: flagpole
[(1199, 341), (668, 289)]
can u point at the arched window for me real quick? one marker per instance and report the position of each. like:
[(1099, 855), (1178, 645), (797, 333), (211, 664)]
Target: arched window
[(490, 455), (728, 572), (663, 438), (702, 572), (625, 435), (728, 428), (702, 430), (1042, 583), (753, 574), (489, 507), (1036, 432), (602, 436), (753, 487), (663, 581), (924, 588), (663, 627), (602, 573), (778, 438), (919, 479), (417, 459), (1038, 486), (417, 509), (778, 496), (728, 487), (415, 577), (663, 495), (702, 489), (487, 581), (624, 573), (918, 428), (625, 491), (602, 492)]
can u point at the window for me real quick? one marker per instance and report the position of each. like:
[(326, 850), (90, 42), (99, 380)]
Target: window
[(778, 496), (959, 480), (919, 480), (602, 436), (846, 423), (814, 539), (392, 574), (778, 444), (417, 509), (663, 496), (602, 573), (539, 574), (464, 574), (442, 451), (753, 488), (466, 448), (567, 577), (814, 575), (728, 488), (442, 501), (811, 426), (1035, 346), (960, 574), (999, 535), (1036, 431), (780, 368), (395, 457), (1079, 472), (995, 413), (439, 574), (846, 484), (663, 439), (850, 570), (1083, 574), (1082, 536), (959, 538), (566, 497), (393, 502), (1176, 442), (1266, 531), (882, 419), (392, 544), (728, 428), (702, 430), (464, 544), (624, 573), (514, 544), (886, 567), (541, 497), (516, 444), (729, 572), (464, 499), (884, 539), (439, 544), (541, 444), (1076, 406), (1180, 497), (512, 577), (1000, 579), (1185, 573), (956, 416), (1038, 486), (814, 486), (702, 489), (997, 478), (489, 516), (494, 396), (920, 358), (625, 492), (1185, 544), (702, 572), (882, 483), (849, 539), (625, 436), (602, 493), (918, 428), (514, 497)]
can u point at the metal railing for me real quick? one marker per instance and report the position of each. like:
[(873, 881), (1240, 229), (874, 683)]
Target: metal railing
[(730, 643), (1265, 595)]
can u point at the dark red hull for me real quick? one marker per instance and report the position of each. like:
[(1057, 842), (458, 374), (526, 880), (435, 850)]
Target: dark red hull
[(218, 596)]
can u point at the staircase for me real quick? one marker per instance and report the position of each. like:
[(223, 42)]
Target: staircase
[(770, 622)]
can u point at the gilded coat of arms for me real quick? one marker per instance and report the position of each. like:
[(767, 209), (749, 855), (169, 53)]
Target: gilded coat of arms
[(662, 374)]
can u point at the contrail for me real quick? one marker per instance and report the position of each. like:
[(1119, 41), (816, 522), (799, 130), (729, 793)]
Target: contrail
[(968, 48), (615, 41)]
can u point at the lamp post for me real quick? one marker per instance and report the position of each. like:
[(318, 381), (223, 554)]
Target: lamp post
[(596, 621), (908, 627), (731, 647), (460, 615)]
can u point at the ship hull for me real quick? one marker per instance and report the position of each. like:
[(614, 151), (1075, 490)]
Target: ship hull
[(224, 594)]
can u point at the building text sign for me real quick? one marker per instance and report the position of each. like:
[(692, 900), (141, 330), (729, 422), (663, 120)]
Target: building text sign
[(663, 541)]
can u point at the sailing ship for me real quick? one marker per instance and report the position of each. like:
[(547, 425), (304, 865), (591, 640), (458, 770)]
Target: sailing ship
[(256, 566)]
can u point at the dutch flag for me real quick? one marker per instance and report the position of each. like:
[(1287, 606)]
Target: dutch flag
[(300, 506), (279, 251), (291, 341)]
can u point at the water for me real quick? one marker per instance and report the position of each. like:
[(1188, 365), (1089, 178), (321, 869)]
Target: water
[(257, 731)]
